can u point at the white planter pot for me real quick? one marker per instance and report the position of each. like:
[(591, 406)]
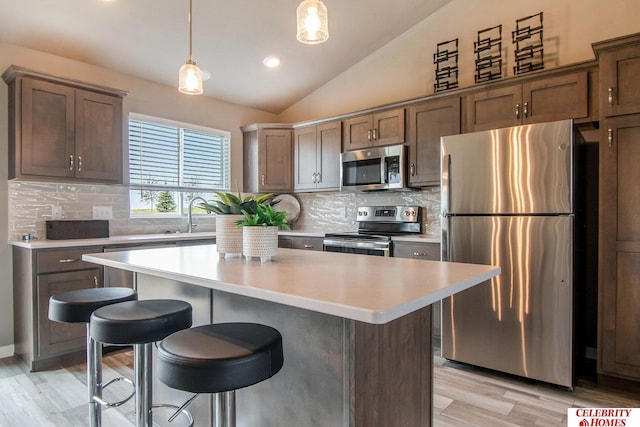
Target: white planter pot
[(228, 235), (259, 242)]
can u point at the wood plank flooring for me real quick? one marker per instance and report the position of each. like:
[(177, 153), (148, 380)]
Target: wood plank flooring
[(464, 396)]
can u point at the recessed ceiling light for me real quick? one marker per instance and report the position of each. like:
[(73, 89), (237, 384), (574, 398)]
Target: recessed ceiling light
[(272, 61)]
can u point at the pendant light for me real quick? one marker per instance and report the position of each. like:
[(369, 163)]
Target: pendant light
[(190, 76), (313, 27)]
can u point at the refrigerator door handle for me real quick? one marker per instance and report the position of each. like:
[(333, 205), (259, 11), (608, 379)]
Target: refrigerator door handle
[(444, 184)]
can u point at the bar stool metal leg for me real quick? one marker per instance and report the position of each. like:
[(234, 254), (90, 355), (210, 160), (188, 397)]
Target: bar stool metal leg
[(225, 409), (142, 367), (94, 379)]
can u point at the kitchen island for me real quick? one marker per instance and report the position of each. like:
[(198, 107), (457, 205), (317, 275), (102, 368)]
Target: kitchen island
[(356, 329)]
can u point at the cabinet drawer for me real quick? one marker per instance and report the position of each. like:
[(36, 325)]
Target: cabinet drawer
[(64, 260), (308, 243), (427, 251)]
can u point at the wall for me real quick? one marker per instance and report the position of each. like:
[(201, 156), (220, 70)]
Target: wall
[(404, 69), (145, 98)]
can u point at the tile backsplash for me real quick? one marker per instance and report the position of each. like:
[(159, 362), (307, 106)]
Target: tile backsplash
[(30, 205)]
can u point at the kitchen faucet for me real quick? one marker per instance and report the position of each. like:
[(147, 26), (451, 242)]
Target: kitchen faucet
[(190, 215)]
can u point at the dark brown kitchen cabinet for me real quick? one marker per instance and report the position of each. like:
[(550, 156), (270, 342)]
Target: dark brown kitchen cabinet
[(417, 250), (317, 151), (533, 101), (428, 121), (62, 129), (268, 159), (619, 61), (619, 287), (37, 275), (300, 242), (381, 128)]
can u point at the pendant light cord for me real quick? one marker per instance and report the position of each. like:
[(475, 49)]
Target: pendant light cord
[(190, 30)]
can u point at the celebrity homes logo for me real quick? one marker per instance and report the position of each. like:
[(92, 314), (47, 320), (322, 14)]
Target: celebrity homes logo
[(603, 417)]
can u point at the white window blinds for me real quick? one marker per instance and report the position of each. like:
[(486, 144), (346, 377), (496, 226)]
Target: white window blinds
[(177, 157)]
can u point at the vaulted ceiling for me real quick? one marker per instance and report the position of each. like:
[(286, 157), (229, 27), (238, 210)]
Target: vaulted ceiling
[(149, 39)]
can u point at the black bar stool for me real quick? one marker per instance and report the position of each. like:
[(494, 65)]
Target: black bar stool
[(76, 307), (141, 323), (220, 358)]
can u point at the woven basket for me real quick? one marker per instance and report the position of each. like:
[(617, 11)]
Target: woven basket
[(259, 242), (228, 235)]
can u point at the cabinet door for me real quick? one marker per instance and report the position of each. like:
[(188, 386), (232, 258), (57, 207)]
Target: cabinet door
[(619, 294), (306, 153), (47, 129), (620, 87), (55, 337), (428, 122), (555, 98), (329, 146), (388, 127), (98, 146), (358, 132), (494, 108), (275, 161)]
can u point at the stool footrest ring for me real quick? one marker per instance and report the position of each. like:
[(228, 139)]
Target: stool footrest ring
[(178, 410), (106, 404)]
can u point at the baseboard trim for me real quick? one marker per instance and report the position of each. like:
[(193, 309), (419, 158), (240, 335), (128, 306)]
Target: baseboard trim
[(7, 351)]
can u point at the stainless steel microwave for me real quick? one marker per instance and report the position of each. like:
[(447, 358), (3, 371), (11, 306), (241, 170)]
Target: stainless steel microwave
[(375, 168)]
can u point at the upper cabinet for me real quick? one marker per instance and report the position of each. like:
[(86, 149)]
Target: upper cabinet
[(317, 151), (619, 70), (62, 129), (383, 128), (428, 121), (538, 100), (268, 159)]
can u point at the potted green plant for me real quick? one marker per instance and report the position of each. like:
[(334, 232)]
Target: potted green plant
[(229, 210), (260, 232)]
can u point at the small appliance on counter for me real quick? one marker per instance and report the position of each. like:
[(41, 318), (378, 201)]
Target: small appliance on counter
[(77, 229), (376, 225)]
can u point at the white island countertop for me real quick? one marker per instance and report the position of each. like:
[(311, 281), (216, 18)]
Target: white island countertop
[(365, 288)]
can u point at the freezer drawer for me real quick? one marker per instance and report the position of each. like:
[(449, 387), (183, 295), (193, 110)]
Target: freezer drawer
[(521, 321)]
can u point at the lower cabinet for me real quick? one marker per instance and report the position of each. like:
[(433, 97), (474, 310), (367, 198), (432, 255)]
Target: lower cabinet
[(429, 252), (38, 275), (296, 242)]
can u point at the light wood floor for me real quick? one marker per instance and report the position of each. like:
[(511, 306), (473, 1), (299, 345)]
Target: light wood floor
[(464, 396)]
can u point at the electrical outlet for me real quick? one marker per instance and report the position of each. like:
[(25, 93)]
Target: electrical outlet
[(56, 212), (102, 212)]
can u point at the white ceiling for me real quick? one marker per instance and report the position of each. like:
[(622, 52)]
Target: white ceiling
[(149, 39)]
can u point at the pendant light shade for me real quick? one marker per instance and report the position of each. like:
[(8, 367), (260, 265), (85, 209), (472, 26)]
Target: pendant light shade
[(313, 26), (190, 76)]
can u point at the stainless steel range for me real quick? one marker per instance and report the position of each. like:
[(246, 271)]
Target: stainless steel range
[(376, 225)]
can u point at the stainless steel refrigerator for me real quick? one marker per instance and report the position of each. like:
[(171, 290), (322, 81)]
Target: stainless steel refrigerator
[(507, 200)]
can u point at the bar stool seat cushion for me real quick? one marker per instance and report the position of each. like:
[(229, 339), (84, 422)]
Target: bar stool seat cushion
[(139, 322), (76, 306), (219, 357)]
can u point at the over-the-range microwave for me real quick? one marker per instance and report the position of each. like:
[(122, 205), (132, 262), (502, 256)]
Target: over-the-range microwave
[(375, 168)]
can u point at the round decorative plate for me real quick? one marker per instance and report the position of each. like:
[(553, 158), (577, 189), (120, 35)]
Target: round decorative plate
[(288, 204)]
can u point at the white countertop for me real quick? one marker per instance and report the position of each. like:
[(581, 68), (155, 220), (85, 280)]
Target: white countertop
[(359, 287), (174, 237)]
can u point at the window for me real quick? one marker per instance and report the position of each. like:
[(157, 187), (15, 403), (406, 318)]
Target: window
[(170, 163)]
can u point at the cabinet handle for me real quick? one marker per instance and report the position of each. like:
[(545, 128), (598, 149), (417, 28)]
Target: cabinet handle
[(79, 163), (95, 281), (71, 163), (308, 246), (375, 134), (526, 109), (369, 135), (610, 137), (318, 178), (610, 97), (412, 169), (262, 179), (420, 254), (517, 111), (68, 260)]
